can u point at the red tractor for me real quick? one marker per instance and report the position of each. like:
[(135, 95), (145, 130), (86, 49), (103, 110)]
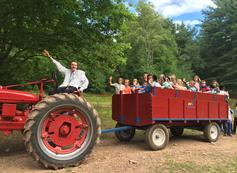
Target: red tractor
[(59, 130)]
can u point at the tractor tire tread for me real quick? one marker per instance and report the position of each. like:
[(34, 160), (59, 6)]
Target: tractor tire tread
[(36, 111)]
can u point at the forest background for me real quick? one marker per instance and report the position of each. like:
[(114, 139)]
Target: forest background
[(105, 37)]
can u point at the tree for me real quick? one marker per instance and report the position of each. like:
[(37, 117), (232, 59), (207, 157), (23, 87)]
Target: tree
[(153, 47), (158, 45), (188, 49), (219, 42), (74, 29)]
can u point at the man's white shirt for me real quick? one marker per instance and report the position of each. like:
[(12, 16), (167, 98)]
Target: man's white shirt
[(76, 79)]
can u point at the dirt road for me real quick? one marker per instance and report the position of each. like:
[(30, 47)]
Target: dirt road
[(189, 153)]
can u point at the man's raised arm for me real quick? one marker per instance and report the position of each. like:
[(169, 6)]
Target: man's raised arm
[(59, 66)]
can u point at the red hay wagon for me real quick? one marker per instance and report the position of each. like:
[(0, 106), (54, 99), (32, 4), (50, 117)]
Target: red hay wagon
[(61, 130), (165, 109)]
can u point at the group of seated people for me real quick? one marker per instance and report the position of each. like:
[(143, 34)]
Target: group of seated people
[(170, 82)]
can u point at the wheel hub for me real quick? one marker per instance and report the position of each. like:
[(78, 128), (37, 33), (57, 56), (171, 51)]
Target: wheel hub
[(64, 131), (214, 132), (158, 137)]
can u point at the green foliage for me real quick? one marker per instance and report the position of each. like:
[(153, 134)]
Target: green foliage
[(156, 47), (82, 31), (188, 49), (106, 38), (219, 42)]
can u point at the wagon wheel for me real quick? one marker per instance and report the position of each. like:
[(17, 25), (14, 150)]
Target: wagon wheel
[(125, 135), (212, 132), (157, 137), (177, 131), (61, 131)]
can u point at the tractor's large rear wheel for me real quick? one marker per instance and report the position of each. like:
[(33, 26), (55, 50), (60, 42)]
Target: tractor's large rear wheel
[(61, 131)]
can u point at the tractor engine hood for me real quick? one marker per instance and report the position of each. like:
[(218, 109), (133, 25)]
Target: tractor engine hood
[(14, 96)]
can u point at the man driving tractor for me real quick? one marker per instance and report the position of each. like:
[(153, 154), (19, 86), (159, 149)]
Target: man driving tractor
[(74, 80)]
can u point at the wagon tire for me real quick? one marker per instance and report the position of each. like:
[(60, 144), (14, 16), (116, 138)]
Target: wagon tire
[(177, 131), (72, 142), (211, 132), (126, 135), (157, 137)]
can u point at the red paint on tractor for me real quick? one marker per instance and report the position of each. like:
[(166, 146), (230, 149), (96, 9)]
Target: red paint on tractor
[(8, 110), (14, 96), (10, 117), (64, 130)]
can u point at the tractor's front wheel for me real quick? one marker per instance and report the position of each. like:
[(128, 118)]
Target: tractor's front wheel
[(61, 131)]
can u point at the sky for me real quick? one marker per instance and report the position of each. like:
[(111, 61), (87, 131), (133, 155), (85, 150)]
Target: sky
[(186, 11)]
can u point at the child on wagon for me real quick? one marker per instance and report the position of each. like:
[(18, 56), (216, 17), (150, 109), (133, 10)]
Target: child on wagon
[(224, 92), (155, 82), (161, 79), (118, 86), (173, 79), (197, 81), (190, 85), (179, 85), (145, 79), (135, 85), (127, 89), (214, 87), (148, 87), (167, 83), (204, 87)]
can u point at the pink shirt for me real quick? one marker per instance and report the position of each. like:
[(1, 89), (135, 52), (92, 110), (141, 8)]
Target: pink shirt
[(197, 85)]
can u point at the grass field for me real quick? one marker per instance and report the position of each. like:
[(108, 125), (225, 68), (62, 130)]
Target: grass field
[(102, 104)]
